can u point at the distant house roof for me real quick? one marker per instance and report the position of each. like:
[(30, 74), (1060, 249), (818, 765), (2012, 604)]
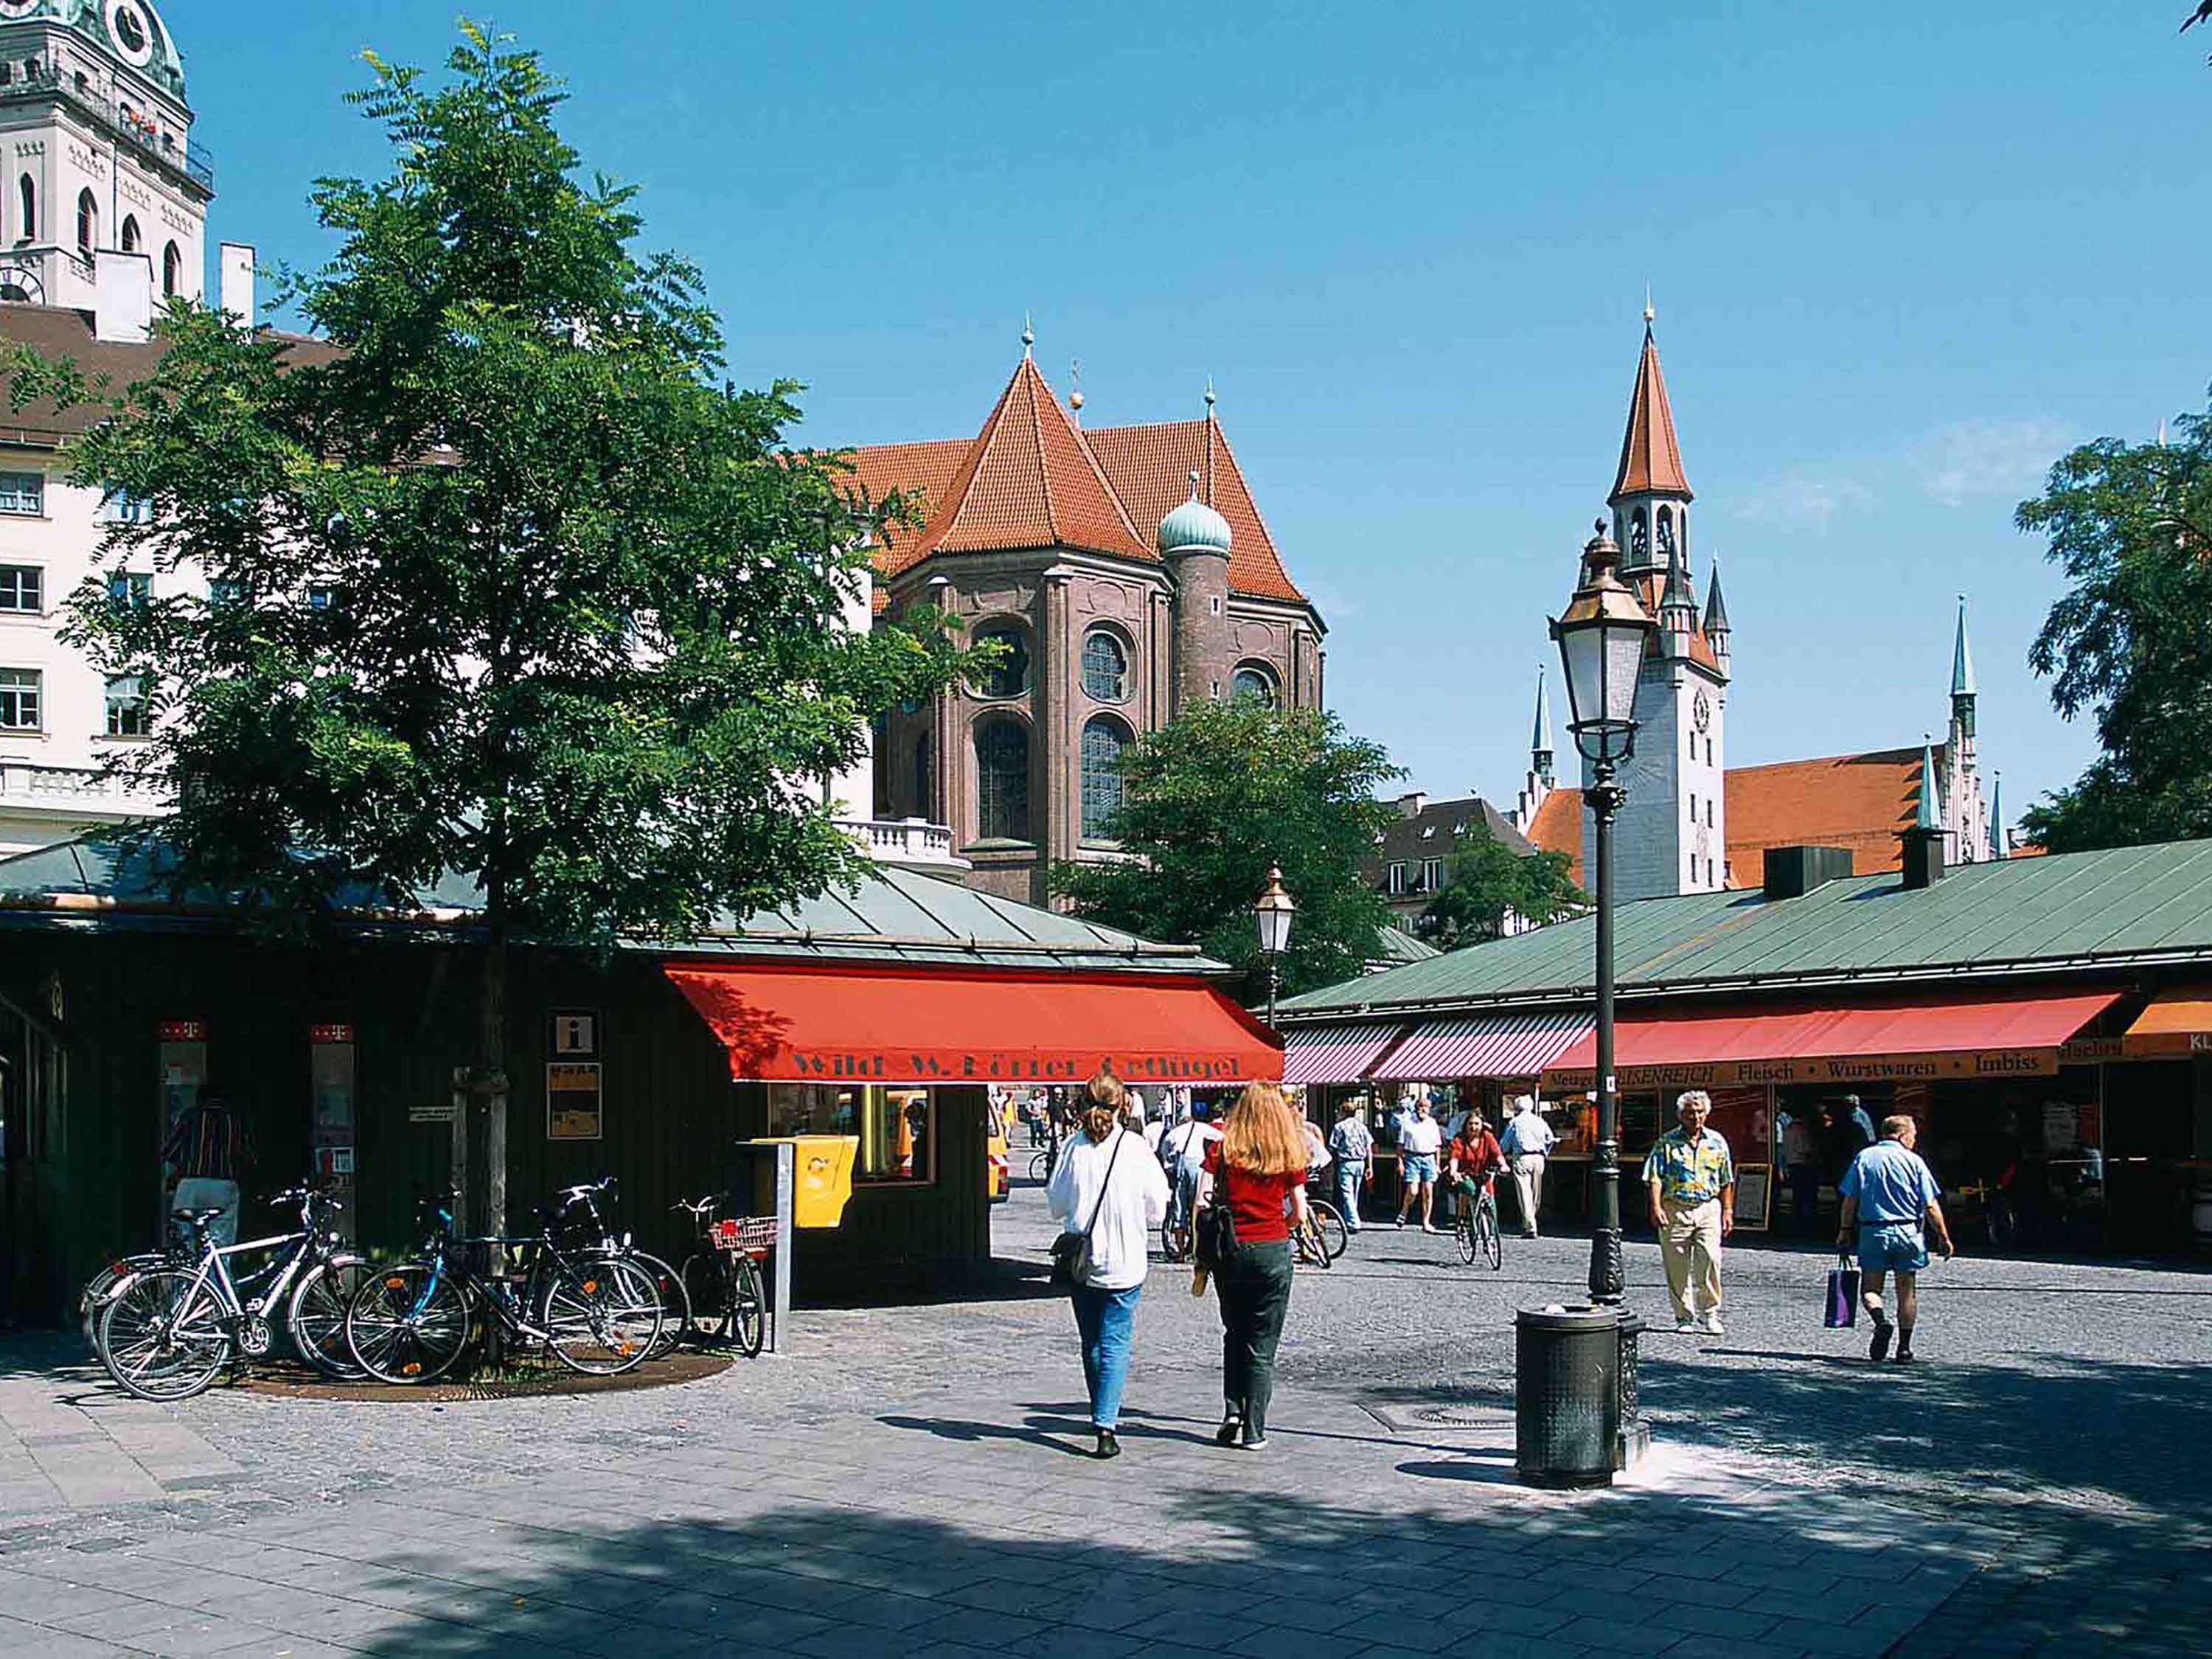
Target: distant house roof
[(893, 915), (1439, 829), (2122, 908), (1398, 945)]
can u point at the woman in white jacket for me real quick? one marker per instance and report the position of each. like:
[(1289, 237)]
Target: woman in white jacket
[(1109, 1185)]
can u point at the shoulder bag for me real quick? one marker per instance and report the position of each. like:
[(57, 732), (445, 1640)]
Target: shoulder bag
[(1071, 1252), (1213, 1236)]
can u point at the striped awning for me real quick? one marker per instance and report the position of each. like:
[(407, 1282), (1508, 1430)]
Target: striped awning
[(1487, 1045), (1334, 1054)]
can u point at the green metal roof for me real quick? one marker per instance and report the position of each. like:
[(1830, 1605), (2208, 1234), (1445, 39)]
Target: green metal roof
[(2126, 906), (895, 914), (1399, 946)]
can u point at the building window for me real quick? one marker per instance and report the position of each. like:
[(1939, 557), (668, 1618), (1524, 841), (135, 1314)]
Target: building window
[(1002, 781), (19, 699), (87, 223), (130, 233), (1102, 776), (922, 808), (1708, 873), (1667, 533), (128, 715), (1693, 806), (23, 494), (321, 596), (1011, 677), (172, 271), (120, 506), (1251, 680), (26, 210), (1105, 667), (133, 587), (1639, 538), (22, 589), (897, 1127), (1395, 880), (1213, 604), (1432, 875)]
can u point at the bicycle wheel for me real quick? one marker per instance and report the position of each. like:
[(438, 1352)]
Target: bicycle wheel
[(748, 1309), (675, 1300), (315, 1317), (1463, 1234), (706, 1288), (1313, 1249), (1041, 1165), (408, 1324), (92, 1301), (162, 1335), (601, 1317), (1330, 1226), (1487, 1235)]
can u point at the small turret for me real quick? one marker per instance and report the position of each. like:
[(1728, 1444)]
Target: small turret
[(1540, 745), (1716, 622), (1678, 607), (1194, 539), (1923, 842), (1998, 848), (1963, 688)]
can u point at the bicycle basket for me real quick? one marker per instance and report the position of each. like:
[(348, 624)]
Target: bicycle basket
[(748, 1234)]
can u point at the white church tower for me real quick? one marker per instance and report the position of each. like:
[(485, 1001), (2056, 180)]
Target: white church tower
[(1671, 834), (1966, 815), (96, 140)]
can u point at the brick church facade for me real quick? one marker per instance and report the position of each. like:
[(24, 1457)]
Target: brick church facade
[(1127, 573)]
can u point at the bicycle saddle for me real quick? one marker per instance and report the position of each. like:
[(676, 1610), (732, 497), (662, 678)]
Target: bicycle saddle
[(199, 1218)]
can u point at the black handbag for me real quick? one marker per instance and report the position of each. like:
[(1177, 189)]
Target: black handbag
[(1071, 1252), (1213, 1234)]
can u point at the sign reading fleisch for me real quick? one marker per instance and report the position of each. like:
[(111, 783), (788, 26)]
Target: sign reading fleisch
[(1855, 1068)]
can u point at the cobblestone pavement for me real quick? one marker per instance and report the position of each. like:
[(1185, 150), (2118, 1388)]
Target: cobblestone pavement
[(906, 1481)]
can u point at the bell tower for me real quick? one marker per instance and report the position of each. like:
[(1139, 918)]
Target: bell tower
[(96, 153)]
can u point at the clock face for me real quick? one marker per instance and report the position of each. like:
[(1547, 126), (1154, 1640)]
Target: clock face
[(127, 26), (1701, 712), (11, 9)]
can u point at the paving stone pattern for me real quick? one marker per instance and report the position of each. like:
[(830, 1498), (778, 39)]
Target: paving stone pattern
[(907, 1480)]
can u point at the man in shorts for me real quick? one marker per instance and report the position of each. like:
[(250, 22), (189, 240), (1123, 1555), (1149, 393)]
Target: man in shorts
[(1420, 1138), (1890, 1194)]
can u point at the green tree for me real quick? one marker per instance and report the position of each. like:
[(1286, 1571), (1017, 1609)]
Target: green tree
[(505, 581), (2131, 640), (1208, 802), (1486, 881)]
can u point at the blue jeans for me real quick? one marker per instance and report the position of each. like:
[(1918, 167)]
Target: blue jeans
[(1106, 1320), (1349, 1172)]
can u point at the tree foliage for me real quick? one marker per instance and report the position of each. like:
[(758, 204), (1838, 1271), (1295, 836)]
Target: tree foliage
[(1209, 802), (1487, 882), (2131, 640)]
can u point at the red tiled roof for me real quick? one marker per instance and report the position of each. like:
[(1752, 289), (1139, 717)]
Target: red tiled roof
[(1859, 802), (1034, 478), (1558, 828), (1651, 460), (1150, 467)]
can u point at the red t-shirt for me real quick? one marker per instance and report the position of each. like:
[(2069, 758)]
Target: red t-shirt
[(1477, 1159), (1261, 1204)]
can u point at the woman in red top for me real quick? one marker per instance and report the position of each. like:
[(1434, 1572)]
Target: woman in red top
[(1262, 1163)]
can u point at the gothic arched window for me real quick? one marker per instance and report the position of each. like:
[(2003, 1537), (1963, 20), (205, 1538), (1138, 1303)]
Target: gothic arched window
[(87, 223), (130, 243), (1252, 680), (1105, 667), (922, 807), (26, 210), (173, 271), (1011, 677), (1639, 538), (1002, 781), (1667, 534), (1102, 741)]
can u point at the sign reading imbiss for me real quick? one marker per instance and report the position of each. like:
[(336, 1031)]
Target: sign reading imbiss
[(1855, 1068)]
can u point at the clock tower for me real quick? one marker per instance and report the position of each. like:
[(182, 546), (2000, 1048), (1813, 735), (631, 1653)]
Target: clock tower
[(1672, 832)]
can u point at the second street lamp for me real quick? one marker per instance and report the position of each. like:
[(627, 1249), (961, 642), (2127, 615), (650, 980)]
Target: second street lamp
[(1602, 639), (1272, 913)]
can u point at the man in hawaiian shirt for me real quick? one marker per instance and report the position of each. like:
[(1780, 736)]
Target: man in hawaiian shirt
[(1692, 1180)]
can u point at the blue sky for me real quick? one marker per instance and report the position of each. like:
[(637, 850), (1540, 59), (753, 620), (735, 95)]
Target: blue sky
[(1903, 256)]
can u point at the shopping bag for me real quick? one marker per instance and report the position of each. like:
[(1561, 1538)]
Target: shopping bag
[(1843, 1296)]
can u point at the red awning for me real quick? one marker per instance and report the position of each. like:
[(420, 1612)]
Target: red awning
[(1484, 1046), (1977, 1033), (1334, 1054), (890, 1024)]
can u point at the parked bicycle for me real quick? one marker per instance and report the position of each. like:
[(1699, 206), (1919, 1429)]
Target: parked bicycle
[(1476, 1227), (1321, 1237), (92, 1301), (595, 1310), (165, 1333), (726, 1303)]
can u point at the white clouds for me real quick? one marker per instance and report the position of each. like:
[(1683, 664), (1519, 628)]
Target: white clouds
[(1990, 458), (1801, 499)]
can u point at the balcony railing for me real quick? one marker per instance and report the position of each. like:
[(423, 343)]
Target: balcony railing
[(903, 841), (33, 784), (42, 78)]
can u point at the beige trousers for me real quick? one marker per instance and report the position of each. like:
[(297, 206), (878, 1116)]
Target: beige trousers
[(1690, 1248), (1528, 1185)]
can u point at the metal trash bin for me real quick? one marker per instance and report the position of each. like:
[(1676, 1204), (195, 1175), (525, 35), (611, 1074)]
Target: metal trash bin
[(1566, 1395)]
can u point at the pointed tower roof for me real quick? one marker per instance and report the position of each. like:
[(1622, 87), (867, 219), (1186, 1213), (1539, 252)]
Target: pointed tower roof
[(1651, 460), (1962, 659), (1028, 480), (1717, 620), (1677, 594), (1930, 815), (1997, 816), (1540, 743)]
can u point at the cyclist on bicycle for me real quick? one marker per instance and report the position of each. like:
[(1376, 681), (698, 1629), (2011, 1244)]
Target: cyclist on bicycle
[(1182, 1150), (1473, 1159)]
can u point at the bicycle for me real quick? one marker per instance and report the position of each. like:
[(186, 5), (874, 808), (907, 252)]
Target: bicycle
[(597, 1312), (92, 1301), (1309, 1240), (1476, 1228), (165, 1333), (1329, 1222), (725, 1299)]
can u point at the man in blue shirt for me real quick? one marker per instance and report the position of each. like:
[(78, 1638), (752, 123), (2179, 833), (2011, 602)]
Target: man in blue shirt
[(1889, 1193)]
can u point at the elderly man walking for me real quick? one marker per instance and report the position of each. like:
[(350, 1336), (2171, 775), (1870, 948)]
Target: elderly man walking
[(1692, 1179), (1528, 1143), (1889, 1196)]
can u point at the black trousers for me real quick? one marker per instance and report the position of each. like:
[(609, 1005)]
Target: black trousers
[(1254, 1287)]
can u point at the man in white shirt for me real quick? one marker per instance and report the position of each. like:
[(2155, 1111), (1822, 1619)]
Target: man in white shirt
[(1421, 1138), (1182, 1152), (1528, 1143)]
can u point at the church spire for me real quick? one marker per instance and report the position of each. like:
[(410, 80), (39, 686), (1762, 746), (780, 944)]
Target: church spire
[(1962, 659), (1997, 848), (1930, 816), (1540, 745), (1651, 460)]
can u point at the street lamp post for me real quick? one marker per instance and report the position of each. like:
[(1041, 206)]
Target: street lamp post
[(1602, 638), (1272, 913)]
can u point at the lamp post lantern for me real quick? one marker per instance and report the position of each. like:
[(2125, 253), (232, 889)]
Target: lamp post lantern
[(1602, 638), (1272, 913)]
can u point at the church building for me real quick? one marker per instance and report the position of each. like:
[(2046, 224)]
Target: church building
[(1692, 824), (1127, 574)]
